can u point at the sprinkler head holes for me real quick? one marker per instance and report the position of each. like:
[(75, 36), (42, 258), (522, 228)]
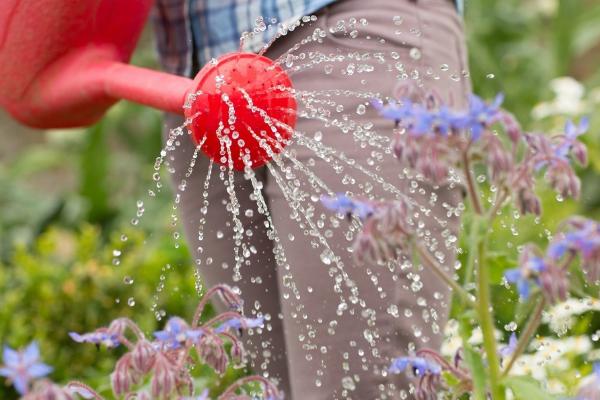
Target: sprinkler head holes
[(244, 102)]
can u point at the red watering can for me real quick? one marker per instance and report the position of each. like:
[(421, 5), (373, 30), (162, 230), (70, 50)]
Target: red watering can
[(63, 63)]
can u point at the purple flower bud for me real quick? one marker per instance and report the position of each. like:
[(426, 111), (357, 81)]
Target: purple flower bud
[(591, 266), (563, 180), (237, 352), (124, 376), (143, 356), (580, 153), (385, 234), (499, 160), (554, 283), (513, 129), (164, 378), (433, 169), (211, 350), (528, 202)]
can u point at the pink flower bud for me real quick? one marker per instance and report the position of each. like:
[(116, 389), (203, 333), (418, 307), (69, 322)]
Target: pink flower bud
[(124, 376), (142, 356), (580, 153), (499, 160), (528, 202), (513, 129), (211, 350), (564, 181), (237, 352), (164, 377), (554, 283), (591, 266)]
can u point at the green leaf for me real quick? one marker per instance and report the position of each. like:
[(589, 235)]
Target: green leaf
[(525, 388), (498, 262), (475, 363)]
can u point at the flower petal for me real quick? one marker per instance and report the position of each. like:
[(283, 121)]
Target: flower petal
[(38, 370), (11, 357)]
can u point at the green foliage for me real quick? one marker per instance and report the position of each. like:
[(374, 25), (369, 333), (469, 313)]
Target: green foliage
[(67, 282)]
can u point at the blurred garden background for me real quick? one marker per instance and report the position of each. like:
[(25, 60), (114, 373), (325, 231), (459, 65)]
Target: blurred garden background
[(68, 197)]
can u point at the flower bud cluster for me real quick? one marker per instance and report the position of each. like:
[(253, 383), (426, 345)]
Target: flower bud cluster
[(579, 237), (165, 361)]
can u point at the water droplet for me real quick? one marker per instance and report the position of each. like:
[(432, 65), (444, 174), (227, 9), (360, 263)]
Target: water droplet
[(361, 109), (415, 53), (327, 256), (348, 383), (490, 76), (128, 280), (131, 302), (511, 326)]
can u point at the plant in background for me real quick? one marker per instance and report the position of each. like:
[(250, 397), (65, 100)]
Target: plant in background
[(443, 145), (157, 368)]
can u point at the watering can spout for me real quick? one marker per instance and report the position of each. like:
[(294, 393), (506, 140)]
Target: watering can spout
[(77, 89), (63, 62)]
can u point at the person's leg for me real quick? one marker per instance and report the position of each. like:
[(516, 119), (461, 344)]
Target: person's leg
[(205, 212), (343, 330)]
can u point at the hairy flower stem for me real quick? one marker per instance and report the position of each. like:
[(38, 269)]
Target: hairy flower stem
[(434, 266), (484, 301), (473, 238), (471, 186), (86, 388), (486, 319), (530, 329), (267, 386)]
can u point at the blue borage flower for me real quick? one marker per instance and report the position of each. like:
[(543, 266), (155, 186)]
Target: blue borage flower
[(21, 367), (510, 348), (419, 120), (107, 339), (572, 132), (176, 333), (480, 115), (343, 204), (240, 323), (420, 366), (526, 275)]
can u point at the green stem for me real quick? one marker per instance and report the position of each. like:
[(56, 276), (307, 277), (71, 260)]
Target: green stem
[(473, 238), (530, 329), (486, 319), (434, 266), (471, 186)]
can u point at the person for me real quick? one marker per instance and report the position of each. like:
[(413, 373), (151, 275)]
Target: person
[(321, 340)]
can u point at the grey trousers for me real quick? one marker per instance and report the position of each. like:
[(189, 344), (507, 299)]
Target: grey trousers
[(332, 327)]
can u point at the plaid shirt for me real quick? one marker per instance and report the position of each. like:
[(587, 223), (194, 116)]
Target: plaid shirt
[(191, 32)]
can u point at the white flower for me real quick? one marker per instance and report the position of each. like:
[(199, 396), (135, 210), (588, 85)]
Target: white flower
[(568, 99), (560, 318)]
